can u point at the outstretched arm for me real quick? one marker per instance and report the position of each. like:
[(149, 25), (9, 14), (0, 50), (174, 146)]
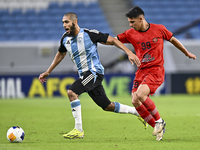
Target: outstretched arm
[(131, 56), (58, 58), (178, 45)]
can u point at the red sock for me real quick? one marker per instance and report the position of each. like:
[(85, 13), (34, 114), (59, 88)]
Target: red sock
[(151, 107), (144, 113)]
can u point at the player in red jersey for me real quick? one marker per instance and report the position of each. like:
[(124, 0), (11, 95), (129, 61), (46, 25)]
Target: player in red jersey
[(147, 39)]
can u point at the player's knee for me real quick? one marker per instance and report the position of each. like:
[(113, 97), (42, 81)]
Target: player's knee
[(135, 102), (70, 93), (110, 107), (72, 96), (136, 99)]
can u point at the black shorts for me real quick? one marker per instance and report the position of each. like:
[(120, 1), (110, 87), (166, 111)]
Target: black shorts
[(86, 83)]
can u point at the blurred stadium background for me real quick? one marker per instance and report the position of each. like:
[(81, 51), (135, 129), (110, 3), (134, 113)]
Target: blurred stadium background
[(30, 31)]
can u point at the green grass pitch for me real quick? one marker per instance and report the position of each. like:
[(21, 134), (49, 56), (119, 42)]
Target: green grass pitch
[(44, 121)]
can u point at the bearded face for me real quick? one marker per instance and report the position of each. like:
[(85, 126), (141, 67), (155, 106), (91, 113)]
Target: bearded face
[(69, 26), (70, 30)]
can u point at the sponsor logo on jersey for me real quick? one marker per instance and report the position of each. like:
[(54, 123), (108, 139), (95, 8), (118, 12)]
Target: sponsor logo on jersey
[(155, 40), (147, 58)]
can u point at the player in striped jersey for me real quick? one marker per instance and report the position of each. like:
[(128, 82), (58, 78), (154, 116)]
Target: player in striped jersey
[(81, 44)]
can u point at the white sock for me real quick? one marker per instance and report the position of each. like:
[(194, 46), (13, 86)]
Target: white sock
[(159, 120), (121, 108), (76, 112)]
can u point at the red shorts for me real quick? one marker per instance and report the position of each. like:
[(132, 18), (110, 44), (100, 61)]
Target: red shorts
[(153, 77)]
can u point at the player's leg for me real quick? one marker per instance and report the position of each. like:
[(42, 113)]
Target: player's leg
[(74, 91), (77, 132), (137, 98), (99, 97), (159, 122), (146, 107), (147, 83), (143, 104), (76, 109)]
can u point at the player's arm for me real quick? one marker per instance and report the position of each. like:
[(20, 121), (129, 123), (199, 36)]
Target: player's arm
[(178, 45), (57, 59), (132, 57)]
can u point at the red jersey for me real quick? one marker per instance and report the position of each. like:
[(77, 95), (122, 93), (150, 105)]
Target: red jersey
[(148, 44)]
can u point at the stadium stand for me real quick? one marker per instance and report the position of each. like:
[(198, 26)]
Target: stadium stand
[(30, 20), (33, 29), (173, 14), (35, 20)]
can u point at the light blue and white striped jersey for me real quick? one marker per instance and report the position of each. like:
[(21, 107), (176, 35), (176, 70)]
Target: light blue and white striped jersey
[(82, 49)]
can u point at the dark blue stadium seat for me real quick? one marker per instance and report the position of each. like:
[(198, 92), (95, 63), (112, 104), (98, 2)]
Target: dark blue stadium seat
[(66, 5), (33, 19), (6, 18), (80, 5), (27, 37), (2, 31), (53, 5), (4, 12), (93, 5), (16, 12), (30, 12)]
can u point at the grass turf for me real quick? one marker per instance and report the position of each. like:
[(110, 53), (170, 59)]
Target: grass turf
[(45, 120)]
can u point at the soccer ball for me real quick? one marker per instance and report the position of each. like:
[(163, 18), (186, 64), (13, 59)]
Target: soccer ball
[(15, 134)]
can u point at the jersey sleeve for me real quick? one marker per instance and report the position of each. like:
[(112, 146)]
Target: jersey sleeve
[(97, 36), (167, 35), (122, 37), (62, 48)]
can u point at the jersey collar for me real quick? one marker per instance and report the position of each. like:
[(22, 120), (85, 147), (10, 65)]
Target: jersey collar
[(146, 29)]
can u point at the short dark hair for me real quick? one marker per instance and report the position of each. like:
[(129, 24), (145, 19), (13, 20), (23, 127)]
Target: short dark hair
[(134, 12), (72, 15)]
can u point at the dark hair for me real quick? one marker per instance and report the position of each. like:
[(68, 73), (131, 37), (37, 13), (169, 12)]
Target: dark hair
[(72, 15), (134, 12)]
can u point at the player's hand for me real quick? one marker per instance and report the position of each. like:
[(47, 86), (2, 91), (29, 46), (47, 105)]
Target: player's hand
[(190, 55), (133, 58), (43, 76)]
